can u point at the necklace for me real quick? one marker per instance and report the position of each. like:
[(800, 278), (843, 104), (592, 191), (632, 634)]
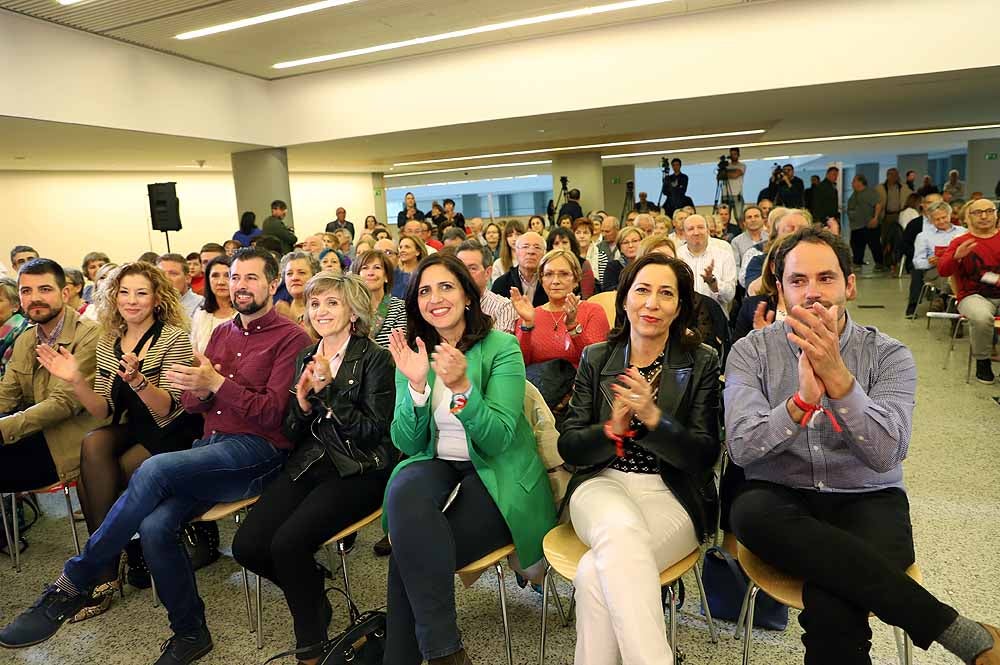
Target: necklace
[(557, 320)]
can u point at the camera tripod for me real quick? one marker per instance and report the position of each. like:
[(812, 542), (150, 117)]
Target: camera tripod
[(629, 203), (560, 199), (723, 192)]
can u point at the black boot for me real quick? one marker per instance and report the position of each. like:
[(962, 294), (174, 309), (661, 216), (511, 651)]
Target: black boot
[(984, 372)]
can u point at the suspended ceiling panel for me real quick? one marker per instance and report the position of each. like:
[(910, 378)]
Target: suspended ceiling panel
[(254, 50)]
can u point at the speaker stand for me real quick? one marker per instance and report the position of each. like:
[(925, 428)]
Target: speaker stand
[(167, 235)]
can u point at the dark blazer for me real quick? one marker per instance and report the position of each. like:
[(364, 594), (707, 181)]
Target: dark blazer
[(686, 442), (361, 397), (824, 202), (571, 208), (513, 278), (334, 225)]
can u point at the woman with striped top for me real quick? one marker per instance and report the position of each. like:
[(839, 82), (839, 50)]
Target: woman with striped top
[(144, 331), (389, 312)]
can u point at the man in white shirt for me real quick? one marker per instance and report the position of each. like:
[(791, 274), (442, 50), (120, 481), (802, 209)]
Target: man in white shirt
[(753, 233), (476, 258), (711, 261), (927, 248), (175, 267)]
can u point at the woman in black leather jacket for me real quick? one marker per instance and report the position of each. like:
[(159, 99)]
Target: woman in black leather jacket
[(338, 417), (643, 430)]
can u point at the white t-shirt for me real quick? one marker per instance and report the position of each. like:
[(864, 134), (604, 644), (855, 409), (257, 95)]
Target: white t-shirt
[(907, 216), (736, 184), (452, 443)]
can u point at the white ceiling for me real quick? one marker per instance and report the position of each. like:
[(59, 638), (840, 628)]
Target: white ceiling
[(253, 50), (933, 100)]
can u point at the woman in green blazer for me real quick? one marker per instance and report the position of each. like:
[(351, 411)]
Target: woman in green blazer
[(473, 481)]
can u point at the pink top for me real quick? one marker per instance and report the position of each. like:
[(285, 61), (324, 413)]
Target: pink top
[(550, 339)]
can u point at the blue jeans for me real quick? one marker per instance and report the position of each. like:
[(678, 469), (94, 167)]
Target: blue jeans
[(164, 494)]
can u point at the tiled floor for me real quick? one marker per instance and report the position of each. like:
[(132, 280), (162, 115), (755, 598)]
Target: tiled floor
[(952, 476)]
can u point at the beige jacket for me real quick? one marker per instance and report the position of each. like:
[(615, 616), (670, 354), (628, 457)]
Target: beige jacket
[(36, 401)]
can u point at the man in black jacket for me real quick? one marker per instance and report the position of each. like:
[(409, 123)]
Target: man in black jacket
[(341, 223), (675, 188), (825, 203), (572, 205), (529, 249), (791, 190)]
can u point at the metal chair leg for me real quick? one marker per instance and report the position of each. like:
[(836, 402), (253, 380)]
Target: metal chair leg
[(503, 610), (246, 587), (743, 614), (572, 604), (156, 596), (347, 582), (69, 514), (672, 618), (562, 615), (260, 613), (748, 625), (17, 532), (11, 545), (545, 614), (907, 649), (704, 601)]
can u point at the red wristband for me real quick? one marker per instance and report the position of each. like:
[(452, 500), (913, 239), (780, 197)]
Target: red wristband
[(619, 440), (811, 409)]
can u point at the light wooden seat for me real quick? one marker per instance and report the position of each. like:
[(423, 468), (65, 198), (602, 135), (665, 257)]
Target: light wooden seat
[(563, 551), (607, 301), (13, 539), (787, 590), (353, 528), (222, 510)]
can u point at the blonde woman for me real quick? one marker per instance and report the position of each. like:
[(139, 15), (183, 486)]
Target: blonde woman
[(629, 240), (90, 314), (145, 330)]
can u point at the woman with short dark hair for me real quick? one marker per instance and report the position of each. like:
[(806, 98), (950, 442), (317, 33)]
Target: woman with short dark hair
[(217, 309), (248, 229), (643, 431), (460, 419)]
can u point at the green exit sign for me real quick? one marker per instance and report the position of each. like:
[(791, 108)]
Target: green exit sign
[(616, 180), (991, 156), (378, 193)]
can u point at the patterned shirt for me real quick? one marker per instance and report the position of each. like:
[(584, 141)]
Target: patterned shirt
[(9, 333), (638, 459), (876, 415), (501, 309)]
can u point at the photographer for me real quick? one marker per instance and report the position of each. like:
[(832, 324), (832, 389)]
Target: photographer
[(790, 189), (734, 172), (674, 187), (572, 206)]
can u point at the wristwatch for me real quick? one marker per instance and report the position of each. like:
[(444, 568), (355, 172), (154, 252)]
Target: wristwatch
[(458, 401), (576, 331)]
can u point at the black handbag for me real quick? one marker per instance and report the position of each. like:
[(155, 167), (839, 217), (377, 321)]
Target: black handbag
[(201, 540), (347, 458), (361, 643), (725, 588)]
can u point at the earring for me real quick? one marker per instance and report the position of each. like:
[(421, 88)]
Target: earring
[(354, 326), (467, 308)]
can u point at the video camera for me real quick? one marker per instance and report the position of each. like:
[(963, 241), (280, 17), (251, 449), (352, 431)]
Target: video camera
[(629, 185), (564, 181), (722, 168)]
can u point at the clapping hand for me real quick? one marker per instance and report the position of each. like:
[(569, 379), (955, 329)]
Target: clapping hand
[(636, 393), (202, 379), (709, 276), (60, 363), (128, 369), (309, 382), (762, 317), (414, 365), (816, 331), (522, 306), (965, 248), (449, 365), (570, 307), (621, 415)]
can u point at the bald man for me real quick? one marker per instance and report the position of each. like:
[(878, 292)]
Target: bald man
[(529, 249)]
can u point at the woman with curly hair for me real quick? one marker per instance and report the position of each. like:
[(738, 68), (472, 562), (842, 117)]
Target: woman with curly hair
[(145, 330)]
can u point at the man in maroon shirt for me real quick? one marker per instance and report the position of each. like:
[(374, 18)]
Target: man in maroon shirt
[(974, 260), (241, 386)]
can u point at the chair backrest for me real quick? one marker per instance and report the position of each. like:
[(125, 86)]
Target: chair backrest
[(607, 301), (543, 424)]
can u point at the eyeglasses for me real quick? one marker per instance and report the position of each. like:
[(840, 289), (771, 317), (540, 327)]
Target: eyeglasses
[(563, 275), (634, 241), (390, 252), (984, 212), (537, 248)]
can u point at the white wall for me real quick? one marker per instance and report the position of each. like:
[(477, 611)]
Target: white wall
[(65, 215)]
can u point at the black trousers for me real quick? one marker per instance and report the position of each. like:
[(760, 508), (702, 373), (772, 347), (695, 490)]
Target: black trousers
[(26, 465), (287, 527), (916, 286), (428, 546), (852, 551), (866, 237)]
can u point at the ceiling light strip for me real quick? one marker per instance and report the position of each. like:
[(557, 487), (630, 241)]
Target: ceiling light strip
[(815, 139), (478, 30), (615, 144), (263, 18), (468, 168)]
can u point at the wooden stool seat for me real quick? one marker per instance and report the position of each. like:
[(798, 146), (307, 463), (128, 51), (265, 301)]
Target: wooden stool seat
[(54, 487), (353, 528), (223, 510), (13, 535), (784, 588)]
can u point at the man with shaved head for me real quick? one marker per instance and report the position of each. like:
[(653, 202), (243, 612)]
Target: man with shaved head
[(711, 260), (529, 249)]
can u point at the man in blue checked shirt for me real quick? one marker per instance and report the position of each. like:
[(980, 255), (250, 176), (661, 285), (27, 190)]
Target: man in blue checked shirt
[(819, 412)]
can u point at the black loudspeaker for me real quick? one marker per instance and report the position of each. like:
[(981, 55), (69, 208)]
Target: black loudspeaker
[(164, 206)]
